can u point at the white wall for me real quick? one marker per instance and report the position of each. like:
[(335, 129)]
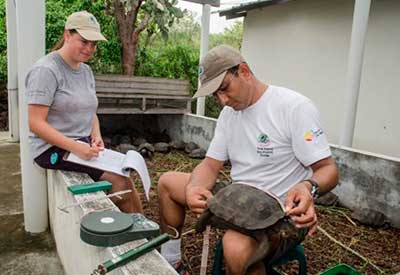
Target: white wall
[(304, 45)]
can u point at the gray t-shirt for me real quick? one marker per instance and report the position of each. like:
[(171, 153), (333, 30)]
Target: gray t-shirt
[(70, 95)]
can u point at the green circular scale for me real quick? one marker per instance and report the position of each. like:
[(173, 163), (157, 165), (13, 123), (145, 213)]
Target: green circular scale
[(111, 228)]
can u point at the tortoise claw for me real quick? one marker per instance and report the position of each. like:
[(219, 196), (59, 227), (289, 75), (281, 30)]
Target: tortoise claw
[(203, 221)]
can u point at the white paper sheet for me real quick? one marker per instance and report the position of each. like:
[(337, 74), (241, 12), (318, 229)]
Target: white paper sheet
[(118, 163)]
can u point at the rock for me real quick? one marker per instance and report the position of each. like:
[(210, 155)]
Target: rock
[(107, 142), (370, 217), (116, 140), (138, 141), (177, 144), (146, 150), (161, 147), (328, 199), (164, 137), (125, 147), (125, 140), (154, 136), (198, 153), (189, 147)]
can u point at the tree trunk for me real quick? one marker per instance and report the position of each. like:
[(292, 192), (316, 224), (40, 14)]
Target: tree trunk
[(129, 29), (128, 33), (128, 58)]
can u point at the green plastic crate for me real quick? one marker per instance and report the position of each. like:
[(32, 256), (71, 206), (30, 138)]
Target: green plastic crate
[(341, 269)]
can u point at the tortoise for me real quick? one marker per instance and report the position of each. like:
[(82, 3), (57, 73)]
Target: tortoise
[(252, 212), (125, 147), (146, 150)]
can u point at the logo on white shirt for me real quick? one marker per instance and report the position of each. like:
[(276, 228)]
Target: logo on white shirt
[(312, 134), (263, 149)]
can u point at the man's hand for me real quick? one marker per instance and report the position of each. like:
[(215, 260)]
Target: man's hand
[(196, 198), (300, 206)]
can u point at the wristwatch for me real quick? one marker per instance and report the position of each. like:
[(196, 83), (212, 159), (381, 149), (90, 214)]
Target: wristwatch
[(314, 188)]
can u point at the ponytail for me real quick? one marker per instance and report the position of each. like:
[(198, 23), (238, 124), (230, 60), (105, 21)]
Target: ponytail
[(60, 42)]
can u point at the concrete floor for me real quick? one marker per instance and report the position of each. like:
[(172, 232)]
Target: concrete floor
[(20, 252)]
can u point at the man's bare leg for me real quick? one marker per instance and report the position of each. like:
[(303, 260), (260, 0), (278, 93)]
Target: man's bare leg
[(238, 249), (172, 202)]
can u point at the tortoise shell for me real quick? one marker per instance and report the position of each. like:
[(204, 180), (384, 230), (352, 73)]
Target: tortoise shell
[(246, 206)]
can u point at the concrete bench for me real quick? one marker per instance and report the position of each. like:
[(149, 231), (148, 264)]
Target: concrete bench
[(78, 257), (121, 94)]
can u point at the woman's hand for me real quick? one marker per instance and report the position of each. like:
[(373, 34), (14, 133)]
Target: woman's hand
[(85, 151), (97, 141)]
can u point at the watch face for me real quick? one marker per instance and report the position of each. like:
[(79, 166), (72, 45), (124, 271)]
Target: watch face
[(314, 189)]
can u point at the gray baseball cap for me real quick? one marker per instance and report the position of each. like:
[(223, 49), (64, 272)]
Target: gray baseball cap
[(214, 67), (85, 24)]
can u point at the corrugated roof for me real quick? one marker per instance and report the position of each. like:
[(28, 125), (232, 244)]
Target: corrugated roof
[(241, 10)]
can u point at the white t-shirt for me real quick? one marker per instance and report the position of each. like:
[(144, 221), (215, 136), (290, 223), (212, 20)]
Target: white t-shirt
[(272, 143)]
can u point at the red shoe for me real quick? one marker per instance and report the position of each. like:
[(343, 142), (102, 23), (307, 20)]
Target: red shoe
[(180, 268)]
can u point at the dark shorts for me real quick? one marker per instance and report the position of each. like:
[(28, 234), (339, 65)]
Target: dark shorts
[(285, 244), (53, 158)]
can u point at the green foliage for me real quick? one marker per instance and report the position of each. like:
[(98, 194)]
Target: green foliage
[(163, 15), (134, 17), (174, 62), (177, 61), (108, 55), (176, 57), (186, 32), (231, 36)]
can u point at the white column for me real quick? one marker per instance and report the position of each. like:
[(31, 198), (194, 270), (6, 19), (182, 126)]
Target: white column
[(355, 62), (12, 71), (31, 45), (205, 31)]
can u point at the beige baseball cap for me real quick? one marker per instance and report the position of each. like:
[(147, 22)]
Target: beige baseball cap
[(214, 67), (86, 25)]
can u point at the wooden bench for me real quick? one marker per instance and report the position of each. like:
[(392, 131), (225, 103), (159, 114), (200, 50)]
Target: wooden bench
[(121, 94), (78, 257)]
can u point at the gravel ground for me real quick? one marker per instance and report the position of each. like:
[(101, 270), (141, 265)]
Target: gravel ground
[(380, 246)]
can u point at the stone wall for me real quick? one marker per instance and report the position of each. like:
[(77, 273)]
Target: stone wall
[(369, 181), (366, 180)]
